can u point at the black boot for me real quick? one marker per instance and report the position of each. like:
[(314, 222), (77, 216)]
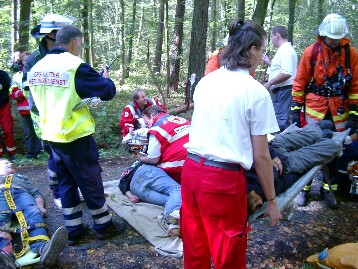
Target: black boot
[(329, 198)]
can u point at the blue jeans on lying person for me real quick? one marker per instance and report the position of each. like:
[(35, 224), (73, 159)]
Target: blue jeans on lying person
[(31, 212), (152, 185)]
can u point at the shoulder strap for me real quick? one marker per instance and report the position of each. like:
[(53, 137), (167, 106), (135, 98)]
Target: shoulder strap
[(315, 50), (348, 56)]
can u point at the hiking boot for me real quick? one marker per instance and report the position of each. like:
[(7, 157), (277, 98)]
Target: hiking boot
[(111, 231), (7, 261), (51, 250), (73, 240), (302, 198)]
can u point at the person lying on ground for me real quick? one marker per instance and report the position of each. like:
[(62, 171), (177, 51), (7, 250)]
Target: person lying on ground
[(150, 184), (293, 154), (18, 196)]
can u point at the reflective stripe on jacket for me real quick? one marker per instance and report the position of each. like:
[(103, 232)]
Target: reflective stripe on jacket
[(316, 107), (172, 133)]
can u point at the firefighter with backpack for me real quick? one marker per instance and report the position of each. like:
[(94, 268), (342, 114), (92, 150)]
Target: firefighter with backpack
[(326, 88)]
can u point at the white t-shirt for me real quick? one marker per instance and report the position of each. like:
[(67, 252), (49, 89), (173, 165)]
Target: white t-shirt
[(284, 61), (229, 107)]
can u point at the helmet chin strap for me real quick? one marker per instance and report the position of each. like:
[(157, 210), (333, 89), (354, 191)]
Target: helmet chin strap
[(50, 38)]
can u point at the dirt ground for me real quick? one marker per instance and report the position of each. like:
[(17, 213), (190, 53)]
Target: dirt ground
[(310, 230)]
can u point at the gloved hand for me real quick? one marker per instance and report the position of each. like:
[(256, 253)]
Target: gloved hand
[(295, 117), (353, 124)]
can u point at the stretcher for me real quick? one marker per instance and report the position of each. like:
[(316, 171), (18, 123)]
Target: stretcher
[(285, 199)]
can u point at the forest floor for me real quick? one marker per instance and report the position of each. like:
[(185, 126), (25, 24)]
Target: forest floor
[(310, 230)]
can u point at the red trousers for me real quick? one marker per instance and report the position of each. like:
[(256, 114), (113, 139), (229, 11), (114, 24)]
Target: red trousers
[(213, 217), (7, 124)]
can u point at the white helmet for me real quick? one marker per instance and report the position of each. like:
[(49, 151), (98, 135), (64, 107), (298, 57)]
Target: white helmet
[(55, 22), (333, 26)]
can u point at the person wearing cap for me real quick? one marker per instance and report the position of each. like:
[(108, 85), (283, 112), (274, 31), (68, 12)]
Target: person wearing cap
[(46, 30), (326, 86), (58, 83), (281, 70)]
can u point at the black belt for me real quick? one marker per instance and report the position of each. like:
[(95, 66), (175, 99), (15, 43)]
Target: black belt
[(227, 166)]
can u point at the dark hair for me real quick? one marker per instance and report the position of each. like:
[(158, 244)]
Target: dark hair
[(152, 111), (65, 35), (281, 30), (243, 35)]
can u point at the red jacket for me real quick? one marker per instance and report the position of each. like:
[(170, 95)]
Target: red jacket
[(172, 133), (132, 112), (17, 94)]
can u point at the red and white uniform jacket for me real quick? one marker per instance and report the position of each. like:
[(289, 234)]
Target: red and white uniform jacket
[(172, 133), (17, 94), (133, 112)]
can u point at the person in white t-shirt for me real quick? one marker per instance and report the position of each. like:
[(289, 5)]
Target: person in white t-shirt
[(282, 71), (233, 115)]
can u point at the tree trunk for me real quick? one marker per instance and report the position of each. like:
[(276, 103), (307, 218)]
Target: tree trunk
[(91, 42), (320, 11), (241, 9), (213, 28), (176, 49), (15, 26), (291, 19), (140, 28), (123, 45), (85, 31), (198, 38), (24, 25), (260, 11), (159, 43), (131, 36), (167, 45)]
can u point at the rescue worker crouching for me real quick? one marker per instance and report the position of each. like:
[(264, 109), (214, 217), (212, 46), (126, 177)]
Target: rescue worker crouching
[(326, 87)]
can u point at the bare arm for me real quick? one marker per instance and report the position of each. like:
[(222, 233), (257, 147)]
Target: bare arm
[(276, 80), (263, 167), (41, 205), (147, 160)]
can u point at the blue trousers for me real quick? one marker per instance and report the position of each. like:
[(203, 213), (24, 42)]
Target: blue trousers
[(77, 166), (32, 214), (350, 153), (282, 99), (33, 143), (152, 185)]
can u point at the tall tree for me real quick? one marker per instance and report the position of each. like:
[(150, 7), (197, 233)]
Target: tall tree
[(24, 25), (213, 23), (198, 38), (260, 11), (291, 18), (91, 38), (176, 49), (85, 30), (241, 8), (157, 62), (320, 11), (131, 36), (15, 25), (123, 45)]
